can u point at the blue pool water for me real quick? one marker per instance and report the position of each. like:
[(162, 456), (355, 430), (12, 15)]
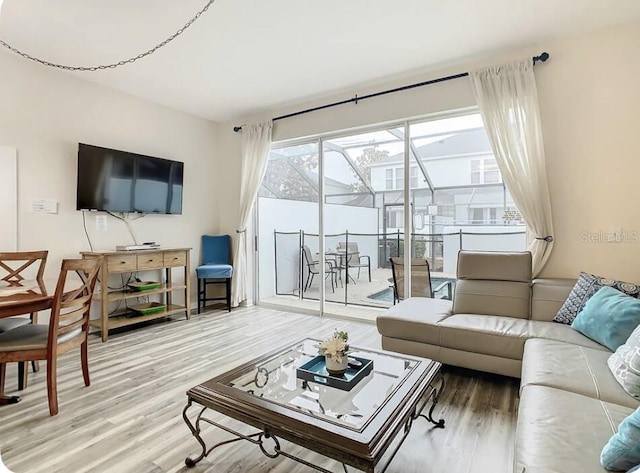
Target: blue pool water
[(387, 294)]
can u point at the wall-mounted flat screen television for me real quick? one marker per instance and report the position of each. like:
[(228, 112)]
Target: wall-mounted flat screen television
[(119, 181)]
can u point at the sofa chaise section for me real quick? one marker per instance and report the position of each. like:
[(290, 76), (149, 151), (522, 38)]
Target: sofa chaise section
[(560, 431), (475, 330)]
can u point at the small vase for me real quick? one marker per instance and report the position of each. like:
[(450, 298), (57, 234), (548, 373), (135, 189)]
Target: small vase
[(336, 368)]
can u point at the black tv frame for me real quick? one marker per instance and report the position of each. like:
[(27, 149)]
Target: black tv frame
[(131, 208)]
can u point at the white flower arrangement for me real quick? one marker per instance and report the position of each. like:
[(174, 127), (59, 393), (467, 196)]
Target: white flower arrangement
[(335, 346)]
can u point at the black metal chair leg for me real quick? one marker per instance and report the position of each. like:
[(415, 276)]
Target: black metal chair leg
[(229, 293), (22, 366), (199, 293)]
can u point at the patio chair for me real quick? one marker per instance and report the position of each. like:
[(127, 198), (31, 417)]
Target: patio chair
[(353, 257), (313, 269), (420, 278)]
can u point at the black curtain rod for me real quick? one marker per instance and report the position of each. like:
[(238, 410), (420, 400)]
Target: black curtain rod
[(541, 58)]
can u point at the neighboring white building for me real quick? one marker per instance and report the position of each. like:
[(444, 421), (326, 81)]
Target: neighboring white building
[(463, 172)]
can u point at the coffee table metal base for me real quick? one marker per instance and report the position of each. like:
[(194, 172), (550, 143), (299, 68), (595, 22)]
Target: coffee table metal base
[(261, 438)]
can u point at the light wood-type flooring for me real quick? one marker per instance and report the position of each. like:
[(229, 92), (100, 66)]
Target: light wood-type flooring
[(130, 418)]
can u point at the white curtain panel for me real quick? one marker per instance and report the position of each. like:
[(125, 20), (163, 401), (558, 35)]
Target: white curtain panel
[(256, 142), (508, 101)]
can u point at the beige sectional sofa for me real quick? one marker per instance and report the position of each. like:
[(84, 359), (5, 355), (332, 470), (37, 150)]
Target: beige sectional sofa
[(500, 321)]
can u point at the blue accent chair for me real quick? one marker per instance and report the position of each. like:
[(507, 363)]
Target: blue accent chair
[(215, 268)]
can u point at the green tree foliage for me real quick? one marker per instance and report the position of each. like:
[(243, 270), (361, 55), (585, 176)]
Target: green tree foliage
[(293, 178), (369, 157)]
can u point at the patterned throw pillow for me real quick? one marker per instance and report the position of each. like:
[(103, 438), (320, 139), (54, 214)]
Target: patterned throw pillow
[(586, 286), (625, 364), (622, 452)]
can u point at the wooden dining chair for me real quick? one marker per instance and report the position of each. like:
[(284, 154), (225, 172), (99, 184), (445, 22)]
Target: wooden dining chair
[(15, 268), (68, 328)]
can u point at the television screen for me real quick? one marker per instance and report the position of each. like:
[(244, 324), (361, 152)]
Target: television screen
[(118, 181)]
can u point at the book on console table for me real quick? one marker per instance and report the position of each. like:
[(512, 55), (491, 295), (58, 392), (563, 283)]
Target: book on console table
[(150, 246)]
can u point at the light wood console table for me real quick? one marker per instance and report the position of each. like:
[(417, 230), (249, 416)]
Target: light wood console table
[(118, 262)]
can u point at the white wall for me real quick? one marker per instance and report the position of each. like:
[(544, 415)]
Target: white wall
[(589, 100), (590, 118), (8, 199), (45, 113)]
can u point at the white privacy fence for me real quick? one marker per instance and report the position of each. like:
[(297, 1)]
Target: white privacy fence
[(484, 238), (287, 226), (291, 219)]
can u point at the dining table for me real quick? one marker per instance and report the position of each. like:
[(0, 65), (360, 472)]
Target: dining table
[(19, 298)]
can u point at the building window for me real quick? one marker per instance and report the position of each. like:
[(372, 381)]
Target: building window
[(476, 216), (399, 178), (413, 177), (394, 178), (485, 171), (484, 215), (389, 179), (395, 218), (493, 216)]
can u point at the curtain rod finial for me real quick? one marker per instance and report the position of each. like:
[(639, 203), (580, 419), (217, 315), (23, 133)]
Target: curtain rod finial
[(237, 128), (542, 58)]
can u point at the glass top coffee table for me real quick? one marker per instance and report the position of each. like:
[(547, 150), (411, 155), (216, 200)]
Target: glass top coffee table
[(356, 427)]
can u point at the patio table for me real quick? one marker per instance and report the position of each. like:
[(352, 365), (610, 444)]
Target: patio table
[(342, 258)]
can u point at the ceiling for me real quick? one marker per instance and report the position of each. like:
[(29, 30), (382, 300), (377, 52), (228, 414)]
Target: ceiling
[(245, 56)]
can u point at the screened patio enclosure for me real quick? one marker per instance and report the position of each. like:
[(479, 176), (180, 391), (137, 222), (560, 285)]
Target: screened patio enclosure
[(433, 182)]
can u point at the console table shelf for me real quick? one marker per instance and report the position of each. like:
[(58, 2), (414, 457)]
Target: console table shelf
[(164, 260), (125, 319), (119, 295)]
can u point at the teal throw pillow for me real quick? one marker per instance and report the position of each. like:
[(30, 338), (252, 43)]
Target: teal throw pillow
[(608, 317), (622, 451)]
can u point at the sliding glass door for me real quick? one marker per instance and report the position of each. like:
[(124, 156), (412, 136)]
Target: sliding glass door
[(290, 271), (458, 199), (350, 220), (357, 187)]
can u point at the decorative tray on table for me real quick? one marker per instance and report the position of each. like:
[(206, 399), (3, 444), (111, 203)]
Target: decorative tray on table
[(315, 370)]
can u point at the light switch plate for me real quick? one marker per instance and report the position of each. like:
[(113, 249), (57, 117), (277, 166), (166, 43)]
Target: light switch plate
[(101, 223)]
